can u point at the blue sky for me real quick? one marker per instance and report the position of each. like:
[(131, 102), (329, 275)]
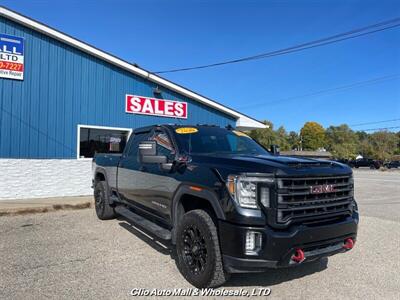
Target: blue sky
[(160, 35)]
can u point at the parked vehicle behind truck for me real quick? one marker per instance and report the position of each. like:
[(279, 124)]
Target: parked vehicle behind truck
[(393, 164), (225, 203), (365, 162)]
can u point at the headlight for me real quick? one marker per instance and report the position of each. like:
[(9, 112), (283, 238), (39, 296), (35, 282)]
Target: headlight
[(246, 190)]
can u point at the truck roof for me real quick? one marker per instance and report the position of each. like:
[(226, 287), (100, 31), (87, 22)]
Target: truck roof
[(171, 126)]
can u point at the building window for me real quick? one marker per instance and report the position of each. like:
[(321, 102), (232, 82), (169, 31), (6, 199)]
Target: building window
[(97, 139)]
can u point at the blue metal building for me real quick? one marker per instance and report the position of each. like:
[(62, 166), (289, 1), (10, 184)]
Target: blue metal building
[(69, 87)]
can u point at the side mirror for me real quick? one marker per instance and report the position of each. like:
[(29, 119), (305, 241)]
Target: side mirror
[(148, 153), (275, 149)]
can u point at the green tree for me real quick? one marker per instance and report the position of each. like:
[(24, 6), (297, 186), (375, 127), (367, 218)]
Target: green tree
[(269, 136), (312, 136), (341, 141), (397, 150), (265, 136), (364, 146), (294, 140), (384, 144), (281, 139)]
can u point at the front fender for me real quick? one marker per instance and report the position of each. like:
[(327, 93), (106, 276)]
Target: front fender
[(204, 193)]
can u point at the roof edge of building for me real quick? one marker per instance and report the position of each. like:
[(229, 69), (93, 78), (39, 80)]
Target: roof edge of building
[(242, 121)]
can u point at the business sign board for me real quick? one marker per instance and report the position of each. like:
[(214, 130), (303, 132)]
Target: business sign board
[(11, 57), (156, 107)]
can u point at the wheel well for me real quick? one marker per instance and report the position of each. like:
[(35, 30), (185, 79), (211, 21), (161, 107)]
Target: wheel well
[(191, 202), (99, 177)]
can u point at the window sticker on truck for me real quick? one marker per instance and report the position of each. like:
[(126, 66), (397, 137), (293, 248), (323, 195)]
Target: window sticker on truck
[(186, 130)]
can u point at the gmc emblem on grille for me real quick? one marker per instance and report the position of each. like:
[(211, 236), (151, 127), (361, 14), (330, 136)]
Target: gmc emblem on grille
[(323, 188)]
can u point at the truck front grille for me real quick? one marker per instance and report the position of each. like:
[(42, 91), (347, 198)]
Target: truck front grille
[(312, 198)]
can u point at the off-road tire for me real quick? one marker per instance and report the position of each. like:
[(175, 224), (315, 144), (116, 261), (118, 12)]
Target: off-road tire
[(213, 274), (102, 201)]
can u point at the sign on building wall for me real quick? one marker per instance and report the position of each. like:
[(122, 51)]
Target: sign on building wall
[(11, 57), (156, 107)]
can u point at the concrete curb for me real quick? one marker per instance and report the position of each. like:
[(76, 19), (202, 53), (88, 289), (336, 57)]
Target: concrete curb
[(32, 206)]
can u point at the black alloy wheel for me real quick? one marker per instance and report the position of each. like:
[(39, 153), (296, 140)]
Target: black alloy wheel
[(199, 256), (101, 201), (195, 251)]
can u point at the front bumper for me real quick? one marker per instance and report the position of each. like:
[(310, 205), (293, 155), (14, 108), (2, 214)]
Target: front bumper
[(278, 246)]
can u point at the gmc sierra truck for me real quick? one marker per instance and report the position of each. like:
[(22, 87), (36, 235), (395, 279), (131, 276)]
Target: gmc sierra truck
[(224, 203)]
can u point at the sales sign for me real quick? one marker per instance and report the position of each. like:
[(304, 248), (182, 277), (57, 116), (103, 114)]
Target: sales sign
[(11, 57), (156, 107)]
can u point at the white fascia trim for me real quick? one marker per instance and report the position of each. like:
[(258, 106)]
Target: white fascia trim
[(246, 123), (78, 136), (125, 65)]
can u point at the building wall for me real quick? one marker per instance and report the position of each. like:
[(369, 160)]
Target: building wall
[(64, 87), (41, 178)]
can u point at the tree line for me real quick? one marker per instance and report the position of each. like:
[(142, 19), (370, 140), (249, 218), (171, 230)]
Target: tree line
[(341, 141)]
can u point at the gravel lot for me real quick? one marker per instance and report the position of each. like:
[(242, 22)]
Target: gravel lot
[(71, 254)]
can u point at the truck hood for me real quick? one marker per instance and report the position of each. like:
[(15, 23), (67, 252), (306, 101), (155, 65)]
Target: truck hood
[(278, 165), (283, 160)]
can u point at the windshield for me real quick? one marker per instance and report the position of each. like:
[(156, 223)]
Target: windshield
[(215, 140)]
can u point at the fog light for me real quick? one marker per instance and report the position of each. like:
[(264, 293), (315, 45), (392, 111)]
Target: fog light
[(253, 243)]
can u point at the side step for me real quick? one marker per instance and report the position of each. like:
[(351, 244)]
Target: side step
[(143, 223), (113, 199)]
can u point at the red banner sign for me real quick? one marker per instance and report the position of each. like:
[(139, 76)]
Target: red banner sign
[(156, 107)]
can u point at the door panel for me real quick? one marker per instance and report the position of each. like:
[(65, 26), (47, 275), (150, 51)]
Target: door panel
[(158, 189), (159, 185), (148, 185), (129, 171)]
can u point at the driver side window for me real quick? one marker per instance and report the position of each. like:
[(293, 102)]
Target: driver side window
[(164, 144), (237, 143)]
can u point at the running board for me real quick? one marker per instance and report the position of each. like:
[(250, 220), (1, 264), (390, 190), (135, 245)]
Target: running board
[(114, 199), (143, 223)]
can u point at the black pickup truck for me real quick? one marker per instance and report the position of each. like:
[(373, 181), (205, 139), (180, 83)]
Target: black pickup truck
[(225, 203)]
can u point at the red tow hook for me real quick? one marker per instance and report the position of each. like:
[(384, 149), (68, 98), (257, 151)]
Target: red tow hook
[(298, 256), (348, 244)]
